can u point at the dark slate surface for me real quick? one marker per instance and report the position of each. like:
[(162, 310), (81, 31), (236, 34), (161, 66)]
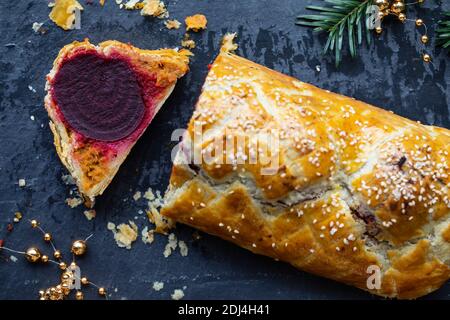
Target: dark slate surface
[(389, 74)]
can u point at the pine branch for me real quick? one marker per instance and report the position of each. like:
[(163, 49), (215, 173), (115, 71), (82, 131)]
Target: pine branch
[(443, 31), (339, 18)]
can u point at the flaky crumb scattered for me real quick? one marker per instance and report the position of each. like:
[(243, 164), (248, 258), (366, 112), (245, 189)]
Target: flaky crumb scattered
[(63, 13), (172, 24), (177, 294), (124, 234), (111, 226), (183, 248), (13, 258), (147, 236), (187, 43), (132, 4), (67, 179), (171, 245), (155, 202), (227, 43), (22, 183), (90, 214), (137, 195), (158, 285), (155, 8), (196, 22), (37, 26), (74, 202)]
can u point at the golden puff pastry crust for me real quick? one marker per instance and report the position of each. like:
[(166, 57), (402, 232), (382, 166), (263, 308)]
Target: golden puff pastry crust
[(92, 162), (358, 191)]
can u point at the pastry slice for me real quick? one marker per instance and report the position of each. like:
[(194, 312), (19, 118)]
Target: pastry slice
[(100, 99), (344, 190)]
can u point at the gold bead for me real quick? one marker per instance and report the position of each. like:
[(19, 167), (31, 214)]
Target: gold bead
[(33, 254), (47, 237), (34, 223), (426, 57), (419, 22), (424, 38), (382, 4), (65, 289), (62, 265), (378, 30), (402, 17), (44, 258), (398, 6), (79, 247), (79, 295), (57, 254), (41, 293), (101, 291), (84, 280), (73, 265)]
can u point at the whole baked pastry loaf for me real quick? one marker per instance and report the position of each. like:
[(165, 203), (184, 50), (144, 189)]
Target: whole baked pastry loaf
[(358, 194), (101, 99)]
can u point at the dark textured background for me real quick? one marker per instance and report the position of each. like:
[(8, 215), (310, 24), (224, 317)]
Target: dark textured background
[(389, 74)]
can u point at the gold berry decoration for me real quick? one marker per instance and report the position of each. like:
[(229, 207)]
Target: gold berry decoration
[(402, 17), (44, 258), (84, 281), (424, 38), (57, 254), (419, 22), (101, 291), (47, 237), (79, 295), (33, 254), (398, 7), (382, 4), (62, 265), (426, 57), (79, 247), (34, 223)]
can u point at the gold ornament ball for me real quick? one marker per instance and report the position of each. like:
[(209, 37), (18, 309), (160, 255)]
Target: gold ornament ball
[(79, 247), (101, 291), (402, 17), (57, 254), (426, 57), (398, 7), (382, 4), (44, 258), (79, 295), (378, 30), (47, 237), (419, 22), (84, 281), (62, 265), (73, 265), (34, 223), (33, 254), (424, 38)]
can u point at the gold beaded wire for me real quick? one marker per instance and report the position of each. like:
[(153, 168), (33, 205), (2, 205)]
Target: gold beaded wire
[(401, 16), (61, 290)]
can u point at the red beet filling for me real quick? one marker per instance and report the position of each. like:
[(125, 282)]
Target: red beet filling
[(99, 97)]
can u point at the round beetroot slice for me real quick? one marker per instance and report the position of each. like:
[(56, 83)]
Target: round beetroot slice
[(99, 97)]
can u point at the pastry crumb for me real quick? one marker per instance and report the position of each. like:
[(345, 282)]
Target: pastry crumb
[(37, 26), (196, 22), (90, 214), (155, 8), (155, 202), (227, 43), (158, 285), (124, 234), (74, 202), (183, 248), (187, 43), (63, 13), (131, 4), (110, 226), (22, 183), (147, 236), (172, 24), (67, 179), (177, 294), (170, 246), (13, 258), (137, 195)]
